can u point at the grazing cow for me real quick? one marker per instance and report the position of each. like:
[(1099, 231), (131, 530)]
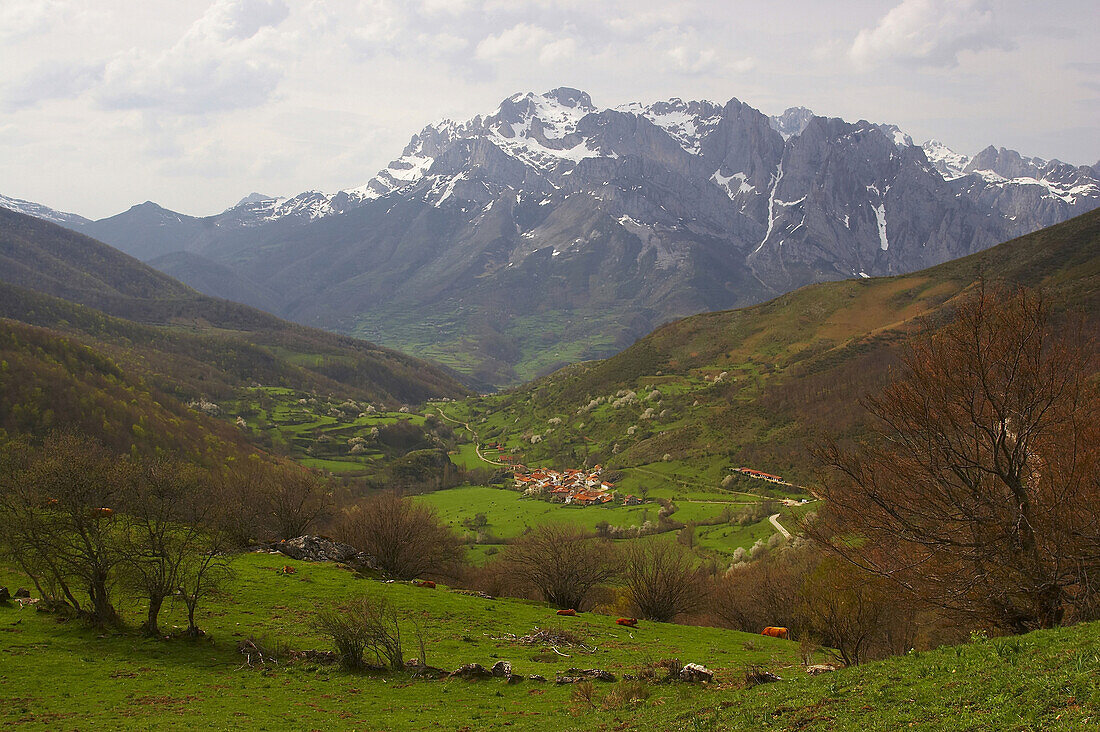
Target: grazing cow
[(287, 569), (570, 612), (425, 583), (776, 632), (628, 622)]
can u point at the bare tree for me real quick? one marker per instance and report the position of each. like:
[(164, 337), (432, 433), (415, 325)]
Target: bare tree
[(562, 563), (978, 490), (244, 484), (297, 499), (856, 616), (405, 538), (754, 595), (174, 542), (61, 507), (662, 580), (157, 539)]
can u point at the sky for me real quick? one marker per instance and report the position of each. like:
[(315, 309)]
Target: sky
[(196, 103)]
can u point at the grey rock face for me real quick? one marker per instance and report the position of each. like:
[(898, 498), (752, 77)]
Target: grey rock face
[(316, 549)]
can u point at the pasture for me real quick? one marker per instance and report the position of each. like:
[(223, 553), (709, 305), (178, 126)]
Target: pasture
[(63, 676)]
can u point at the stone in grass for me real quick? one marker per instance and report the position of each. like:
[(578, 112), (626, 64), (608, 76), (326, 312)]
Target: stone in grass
[(471, 672), (820, 668), (502, 669), (5, 596), (696, 673), (756, 675), (537, 677), (573, 675), (22, 592)]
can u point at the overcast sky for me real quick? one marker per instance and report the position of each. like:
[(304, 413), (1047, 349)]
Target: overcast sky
[(196, 103)]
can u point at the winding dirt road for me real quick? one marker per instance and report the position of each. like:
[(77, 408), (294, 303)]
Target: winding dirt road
[(477, 443), (774, 518)]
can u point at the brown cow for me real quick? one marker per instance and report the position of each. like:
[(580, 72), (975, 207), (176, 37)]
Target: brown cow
[(776, 632), (628, 622), (287, 569), (570, 612), (425, 583)]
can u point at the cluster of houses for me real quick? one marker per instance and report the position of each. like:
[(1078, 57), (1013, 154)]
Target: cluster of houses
[(760, 475), (573, 487)]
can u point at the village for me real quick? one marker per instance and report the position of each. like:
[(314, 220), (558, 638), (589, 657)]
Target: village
[(570, 486)]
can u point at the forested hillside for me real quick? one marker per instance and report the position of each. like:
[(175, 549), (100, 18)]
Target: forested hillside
[(51, 383), (753, 386), (192, 343)]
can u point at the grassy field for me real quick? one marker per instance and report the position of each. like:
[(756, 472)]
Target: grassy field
[(118, 681), (62, 676), (509, 514)]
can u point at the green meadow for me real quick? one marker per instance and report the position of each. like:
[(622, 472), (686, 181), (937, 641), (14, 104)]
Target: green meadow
[(64, 676)]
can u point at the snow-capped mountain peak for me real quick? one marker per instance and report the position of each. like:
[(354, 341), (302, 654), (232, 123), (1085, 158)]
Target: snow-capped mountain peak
[(950, 164), (792, 122), (558, 112), (42, 212), (687, 122)]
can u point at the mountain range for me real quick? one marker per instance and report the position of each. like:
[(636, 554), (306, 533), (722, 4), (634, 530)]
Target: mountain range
[(553, 231)]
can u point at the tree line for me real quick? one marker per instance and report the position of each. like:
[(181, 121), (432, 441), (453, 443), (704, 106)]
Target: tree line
[(91, 527)]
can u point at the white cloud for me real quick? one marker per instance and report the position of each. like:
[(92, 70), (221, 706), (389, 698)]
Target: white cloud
[(25, 18), (928, 32), (521, 38), (51, 80), (227, 59)]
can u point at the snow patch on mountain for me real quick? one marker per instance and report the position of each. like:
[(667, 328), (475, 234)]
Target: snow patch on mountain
[(899, 138), (880, 217), (723, 181), (792, 122), (686, 122), (30, 208), (771, 207)]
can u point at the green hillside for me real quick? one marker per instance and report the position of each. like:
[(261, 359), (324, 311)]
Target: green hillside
[(1045, 680), (751, 387), (55, 278)]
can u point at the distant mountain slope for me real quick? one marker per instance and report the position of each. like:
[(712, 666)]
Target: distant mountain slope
[(554, 230), (200, 342), (755, 384), (214, 279)]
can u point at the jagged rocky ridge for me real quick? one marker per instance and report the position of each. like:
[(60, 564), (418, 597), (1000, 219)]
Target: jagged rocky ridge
[(554, 230)]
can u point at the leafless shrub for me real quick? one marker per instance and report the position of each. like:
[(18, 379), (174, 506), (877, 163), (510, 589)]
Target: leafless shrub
[(405, 538), (264, 651), (662, 580), (361, 626), (562, 563)]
